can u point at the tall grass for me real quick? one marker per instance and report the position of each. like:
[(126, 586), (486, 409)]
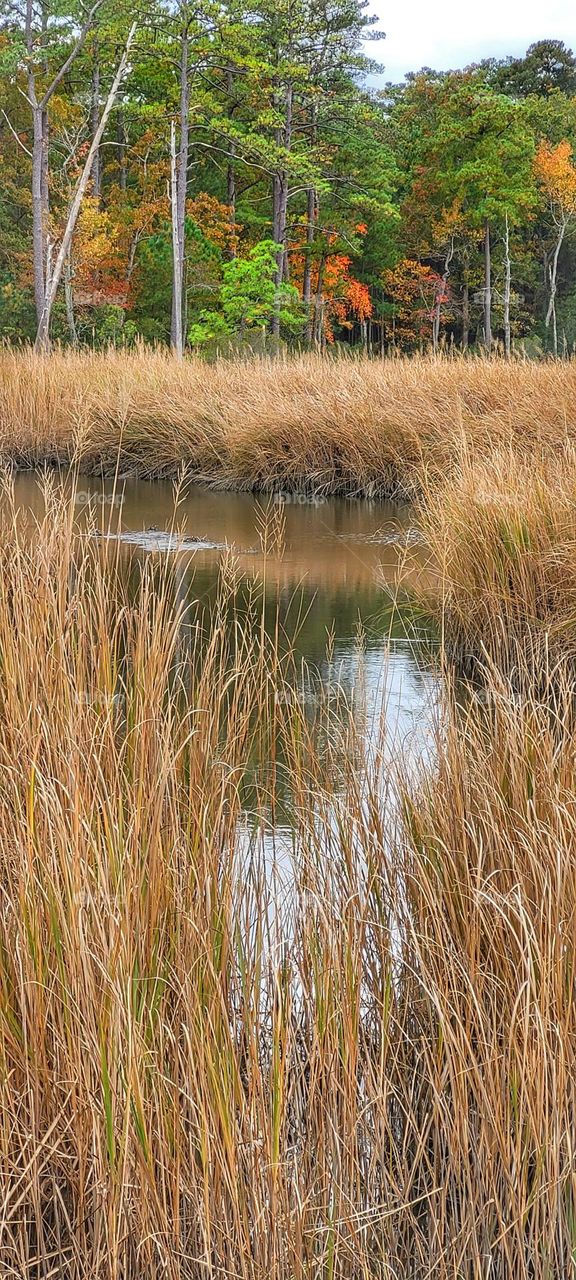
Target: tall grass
[(338, 426), (356, 1062), (502, 533)]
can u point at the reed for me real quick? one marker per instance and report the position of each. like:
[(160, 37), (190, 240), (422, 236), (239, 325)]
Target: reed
[(490, 893), (358, 427), (350, 1056), (502, 534)]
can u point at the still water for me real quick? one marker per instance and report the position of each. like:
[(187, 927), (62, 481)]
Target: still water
[(337, 574)]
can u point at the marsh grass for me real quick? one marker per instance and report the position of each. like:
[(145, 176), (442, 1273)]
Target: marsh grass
[(502, 534), (210, 1065), (357, 427)]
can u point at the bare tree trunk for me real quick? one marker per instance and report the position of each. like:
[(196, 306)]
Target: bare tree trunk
[(436, 320), (45, 188), (281, 205), (231, 194), (42, 335), (95, 115), (40, 140), (40, 200), (231, 168), (507, 281), (440, 292), (69, 296), (44, 36), (553, 284), (121, 138), (275, 205), (487, 289), (38, 223), (311, 219), (179, 211), (465, 312), (319, 306), (45, 126), (176, 336), (311, 214)]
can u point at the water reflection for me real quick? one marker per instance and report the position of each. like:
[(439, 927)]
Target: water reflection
[(321, 588)]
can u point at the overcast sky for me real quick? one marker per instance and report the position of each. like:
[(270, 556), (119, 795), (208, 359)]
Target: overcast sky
[(451, 33)]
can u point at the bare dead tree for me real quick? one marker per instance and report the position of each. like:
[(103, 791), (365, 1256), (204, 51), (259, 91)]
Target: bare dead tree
[(177, 257), (487, 289), (39, 104), (54, 277), (440, 295), (507, 282)]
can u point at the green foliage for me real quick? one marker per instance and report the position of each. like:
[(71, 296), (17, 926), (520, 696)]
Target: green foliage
[(17, 320), (547, 67), (277, 103), (249, 296)]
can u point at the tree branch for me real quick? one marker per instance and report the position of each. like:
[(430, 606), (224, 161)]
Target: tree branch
[(15, 135), (70, 60)]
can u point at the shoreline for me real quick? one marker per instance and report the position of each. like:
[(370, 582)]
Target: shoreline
[(362, 428)]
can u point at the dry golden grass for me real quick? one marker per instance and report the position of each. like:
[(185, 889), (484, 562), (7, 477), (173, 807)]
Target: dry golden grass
[(491, 879), (370, 1073), (502, 533), (344, 426)]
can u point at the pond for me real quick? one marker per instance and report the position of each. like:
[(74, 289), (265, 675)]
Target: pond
[(337, 575)]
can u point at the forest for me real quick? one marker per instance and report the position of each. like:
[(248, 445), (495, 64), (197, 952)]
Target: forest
[(227, 175)]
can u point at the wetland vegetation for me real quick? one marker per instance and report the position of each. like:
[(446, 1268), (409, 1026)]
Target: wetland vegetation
[(285, 987), (287, 651)]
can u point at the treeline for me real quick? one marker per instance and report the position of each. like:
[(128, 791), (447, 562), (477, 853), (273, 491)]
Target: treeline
[(221, 175)]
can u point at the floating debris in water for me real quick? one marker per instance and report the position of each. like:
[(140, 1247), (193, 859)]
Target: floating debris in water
[(153, 539), (387, 537)]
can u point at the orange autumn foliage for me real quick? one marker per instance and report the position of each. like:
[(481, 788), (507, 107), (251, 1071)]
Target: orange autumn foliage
[(345, 299), (415, 290), (215, 220), (99, 263), (556, 172)]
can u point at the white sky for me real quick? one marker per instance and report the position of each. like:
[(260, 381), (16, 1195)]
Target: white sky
[(451, 33)]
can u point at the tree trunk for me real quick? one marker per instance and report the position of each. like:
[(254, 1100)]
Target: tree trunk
[(231, 168), (44, 36), (283, 204), (280, 202), (69, 296), (440, 292), (176, 334), (311, 215), (40, 141), (181, 179), (487, 290), (436, 320), (121, 139), (231, 195), (311, 220), (95, 115), (44, 181), (42, 335), (553, 282), (465, 312), (507, 281), (319, 306), (38, 221)]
